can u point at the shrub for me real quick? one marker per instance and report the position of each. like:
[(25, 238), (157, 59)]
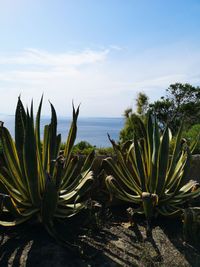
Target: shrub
[(193, 134), (83, 148), (105, 151)]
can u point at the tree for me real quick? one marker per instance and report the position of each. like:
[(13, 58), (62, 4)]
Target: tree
[(181, 101), (131, 126), (142, 103)]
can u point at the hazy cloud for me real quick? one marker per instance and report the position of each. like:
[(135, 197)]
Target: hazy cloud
[(105, 81)]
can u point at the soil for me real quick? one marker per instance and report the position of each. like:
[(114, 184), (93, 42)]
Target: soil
[(115, 242)]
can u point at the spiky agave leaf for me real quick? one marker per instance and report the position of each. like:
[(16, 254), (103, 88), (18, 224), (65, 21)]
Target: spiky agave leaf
[(145, 169), (38, 178)]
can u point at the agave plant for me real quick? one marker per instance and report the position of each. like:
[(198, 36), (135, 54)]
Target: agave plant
[(39, 179), (146, 175)]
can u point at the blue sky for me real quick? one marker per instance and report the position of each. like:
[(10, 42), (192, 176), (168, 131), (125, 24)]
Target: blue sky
[(97, 52)]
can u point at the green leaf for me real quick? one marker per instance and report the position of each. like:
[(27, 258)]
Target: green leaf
[(12, 160), (163, 161), (140, 167), (49, 201), (71, 136), (156, 147), (53, 153), (30, 161)]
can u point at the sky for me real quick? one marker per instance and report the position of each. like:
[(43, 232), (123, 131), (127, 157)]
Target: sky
[(100, 53)]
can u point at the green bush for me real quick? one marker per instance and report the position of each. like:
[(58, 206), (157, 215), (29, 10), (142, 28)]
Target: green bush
[(85, 148), (104, 151), (191, 135), (82, 148)]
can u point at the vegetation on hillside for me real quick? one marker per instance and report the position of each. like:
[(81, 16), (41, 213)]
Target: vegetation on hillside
[(181, 103)]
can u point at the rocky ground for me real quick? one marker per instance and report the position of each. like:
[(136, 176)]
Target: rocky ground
[(115, 243)]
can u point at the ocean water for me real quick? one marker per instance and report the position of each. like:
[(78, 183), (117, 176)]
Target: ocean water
[(92, 130)]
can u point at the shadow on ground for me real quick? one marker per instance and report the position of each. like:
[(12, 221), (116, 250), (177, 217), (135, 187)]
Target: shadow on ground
[(173, 231), (117, 243)]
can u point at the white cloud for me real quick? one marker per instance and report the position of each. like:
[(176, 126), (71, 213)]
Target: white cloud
[(37, 57), (105, 81), (116, 47)]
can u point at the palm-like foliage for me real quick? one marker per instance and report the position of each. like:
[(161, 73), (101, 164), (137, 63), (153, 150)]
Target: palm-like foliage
[(38, 178), (145, 174)]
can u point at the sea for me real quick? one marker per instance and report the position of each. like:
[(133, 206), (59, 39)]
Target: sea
[(90, 129)]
